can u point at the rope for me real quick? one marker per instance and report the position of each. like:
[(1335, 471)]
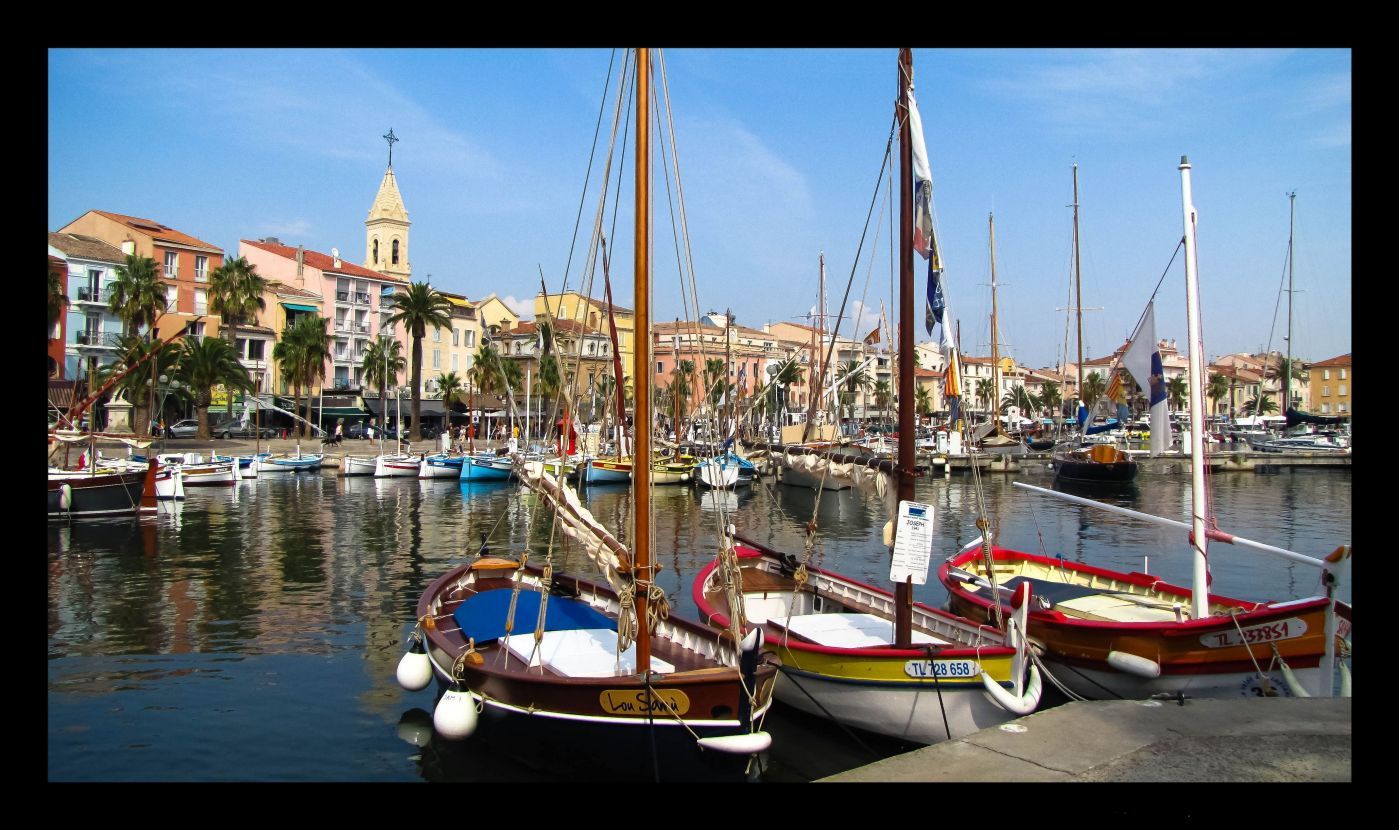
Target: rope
[(932, 666)]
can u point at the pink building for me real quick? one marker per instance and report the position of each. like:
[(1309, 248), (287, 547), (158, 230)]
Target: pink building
[(357, 301)]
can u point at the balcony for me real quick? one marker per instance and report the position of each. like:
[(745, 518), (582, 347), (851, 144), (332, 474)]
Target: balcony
[(344, 356), (361, 298), (97, 339), (342, 296), (362, 328), (341, 325), (89, 295)]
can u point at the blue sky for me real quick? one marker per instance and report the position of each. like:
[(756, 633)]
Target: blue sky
[(779, 152)]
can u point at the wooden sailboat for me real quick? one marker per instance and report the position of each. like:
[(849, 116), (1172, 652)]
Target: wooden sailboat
[(598, 667), (1294, 416), (1108, 634), (863, 655), (1095, 464)]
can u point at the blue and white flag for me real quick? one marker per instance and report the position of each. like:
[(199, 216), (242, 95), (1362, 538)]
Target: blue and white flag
[(937, 304), (1143, 360)]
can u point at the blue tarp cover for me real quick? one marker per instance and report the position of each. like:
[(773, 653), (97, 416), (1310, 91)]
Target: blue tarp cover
[(482, 616)]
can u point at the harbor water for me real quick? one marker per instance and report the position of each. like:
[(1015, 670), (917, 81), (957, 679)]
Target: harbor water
[(252, 633)]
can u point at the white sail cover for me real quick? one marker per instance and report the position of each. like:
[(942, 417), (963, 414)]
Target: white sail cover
[(868, 479), (575, 520)]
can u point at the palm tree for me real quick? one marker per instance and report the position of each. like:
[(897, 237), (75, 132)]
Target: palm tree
[(138, 298), (985, 392), (857, 380), (301, 354), (1051, 398), (1177, 391), (883, 395), (1262, 404), (1093, 389), (1021, 397), (57, 299), (205, 363), (1217, 389), (484, 375), (417, 308), (235, 294), (383, 363), (1277, 370), (138, 387), (683, 374), (922, 400)]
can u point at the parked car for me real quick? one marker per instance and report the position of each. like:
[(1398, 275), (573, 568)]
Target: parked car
[(187, 428), (236, 428)]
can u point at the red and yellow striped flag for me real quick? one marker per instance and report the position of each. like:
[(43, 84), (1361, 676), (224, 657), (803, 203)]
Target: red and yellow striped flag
[(1115, 393)]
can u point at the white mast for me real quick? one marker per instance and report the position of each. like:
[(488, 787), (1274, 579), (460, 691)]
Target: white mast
[(1199, 587)]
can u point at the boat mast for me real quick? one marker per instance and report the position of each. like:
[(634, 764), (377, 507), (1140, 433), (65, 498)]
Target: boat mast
[(1078, 298), (641, 453), (1199, 586), (1287, 370), (903, 592), (995, 354)]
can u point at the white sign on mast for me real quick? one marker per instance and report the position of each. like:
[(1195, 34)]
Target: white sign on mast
[(913, 543)]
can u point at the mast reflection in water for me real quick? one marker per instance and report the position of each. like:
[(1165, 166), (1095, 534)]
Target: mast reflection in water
[(254, 635)]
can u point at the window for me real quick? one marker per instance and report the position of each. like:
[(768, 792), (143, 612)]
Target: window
[(342, 291), (395, 252), (659, 369), (437, 335), (470, 338), (195, 330), (1325, 408), (454, 362), (172, 265), (255, 348), (201, 269), (1325, 374), (1341, 390), (172, 297), (376, 251), (201, 301), (436, 359), (1343, 376), (1325, 391), (1341, 408), (456, 336)]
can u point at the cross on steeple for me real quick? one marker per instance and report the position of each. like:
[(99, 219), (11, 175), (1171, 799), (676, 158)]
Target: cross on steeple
[(391, 138)]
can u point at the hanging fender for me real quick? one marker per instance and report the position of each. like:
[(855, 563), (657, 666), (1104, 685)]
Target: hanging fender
[(1022, 705), (1134, 664)]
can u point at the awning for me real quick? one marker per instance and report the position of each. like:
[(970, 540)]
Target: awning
[(296, 307), (345, 412), (429, 409)]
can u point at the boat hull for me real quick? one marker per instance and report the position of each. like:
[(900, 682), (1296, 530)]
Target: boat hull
[(1214, 657), (396, 467), (290, 464), (801, 478), (473, 469), (602, 471), (112, 494), (356, 465)]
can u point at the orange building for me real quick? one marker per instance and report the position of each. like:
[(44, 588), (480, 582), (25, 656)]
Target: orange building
[(1331, 382)]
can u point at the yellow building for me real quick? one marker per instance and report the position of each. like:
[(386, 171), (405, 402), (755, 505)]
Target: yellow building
[(592, 314), (494, 316), (1330, 386)]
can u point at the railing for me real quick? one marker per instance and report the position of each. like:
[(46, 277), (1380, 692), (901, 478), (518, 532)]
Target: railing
[(361, 298), (342, 296), (89, 295), (201, 276), (341, 325), (97, 338), (363, 328)]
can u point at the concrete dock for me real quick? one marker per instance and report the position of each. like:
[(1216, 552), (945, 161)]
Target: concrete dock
[(1249, 739)]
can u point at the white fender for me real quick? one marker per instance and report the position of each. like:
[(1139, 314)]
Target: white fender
[(65, 497), (753, 640), (1134, 664), (1293, 684), (748, 743), (1345, 679), (1017, 705), (414, 670), (455, 715)]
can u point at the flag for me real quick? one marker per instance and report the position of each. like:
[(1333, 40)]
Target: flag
[(1115, 392), (1143, 360), (872, 337), (937, 303), (924, 239)]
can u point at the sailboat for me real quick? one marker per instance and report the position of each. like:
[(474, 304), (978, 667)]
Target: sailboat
[(1075, 461), (1296, 417), (862, 655), (600, 667), (997, 442), (1107, 634)]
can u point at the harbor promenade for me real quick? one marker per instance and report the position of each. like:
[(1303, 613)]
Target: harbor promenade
[(1243, 740)]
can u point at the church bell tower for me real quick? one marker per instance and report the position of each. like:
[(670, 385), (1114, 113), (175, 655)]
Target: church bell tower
[(386, 229)]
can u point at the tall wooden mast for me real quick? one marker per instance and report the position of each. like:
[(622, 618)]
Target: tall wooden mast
[(903, 592), (641, 401), (995, 352), (1078, 298)]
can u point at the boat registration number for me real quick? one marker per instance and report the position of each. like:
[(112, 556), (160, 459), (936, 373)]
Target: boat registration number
[(634, 702), (1288, 629), (942, 668)]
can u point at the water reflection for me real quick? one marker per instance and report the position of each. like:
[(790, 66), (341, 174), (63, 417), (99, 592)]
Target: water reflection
[(270, 617)]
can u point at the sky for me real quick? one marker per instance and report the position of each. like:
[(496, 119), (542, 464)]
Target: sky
[(780, 154)]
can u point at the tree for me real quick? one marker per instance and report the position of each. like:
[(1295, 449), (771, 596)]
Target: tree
[(922, 401), (301, 356), (1217, 389), (417, 308), (138, 298), (138, 387), (57, 299), (985, 392), (484, 374), (1051, 397), (883, 395), (1276, 369), (235, 294), (383, 363), (1177, 391), (1021, 397), (681, 377), (1262, 405), (206, 362), (1093, 388), (857, 380)]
